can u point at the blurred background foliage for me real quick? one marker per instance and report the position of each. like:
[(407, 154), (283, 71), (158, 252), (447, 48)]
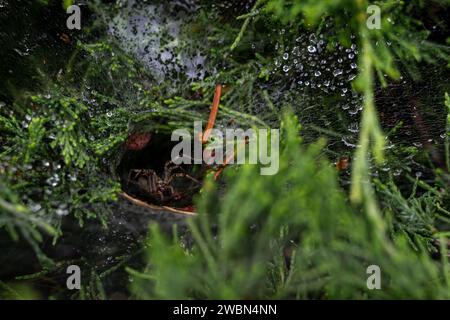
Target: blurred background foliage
[(310, 243), (365, 181)]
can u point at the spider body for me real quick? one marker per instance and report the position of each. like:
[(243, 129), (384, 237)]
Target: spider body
[(159, 189)]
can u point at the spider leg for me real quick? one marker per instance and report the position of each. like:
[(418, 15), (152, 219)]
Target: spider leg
[(152, 181), (183, 174), (129, 178), (168, 170), (168, 177), (136, 173)]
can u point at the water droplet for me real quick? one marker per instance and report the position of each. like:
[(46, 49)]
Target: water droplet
[(353, 127), (35, 207), (312, 49), (346, 142), (53, 180), (62, 210)]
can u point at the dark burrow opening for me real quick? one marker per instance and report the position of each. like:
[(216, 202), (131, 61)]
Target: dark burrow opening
[(150, 175)]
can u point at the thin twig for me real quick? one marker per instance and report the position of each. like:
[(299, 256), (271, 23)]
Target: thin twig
[(213, 114)]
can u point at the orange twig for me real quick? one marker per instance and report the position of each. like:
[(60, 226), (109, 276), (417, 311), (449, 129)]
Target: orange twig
[(225, 163), (213, 113)]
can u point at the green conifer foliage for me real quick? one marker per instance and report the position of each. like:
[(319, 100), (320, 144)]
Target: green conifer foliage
[(70, 100)]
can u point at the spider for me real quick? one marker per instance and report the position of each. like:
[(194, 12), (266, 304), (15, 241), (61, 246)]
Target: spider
[(159, 188)]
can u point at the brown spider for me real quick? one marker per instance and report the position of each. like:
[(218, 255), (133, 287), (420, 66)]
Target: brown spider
[(158, 188), (148, 184)]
